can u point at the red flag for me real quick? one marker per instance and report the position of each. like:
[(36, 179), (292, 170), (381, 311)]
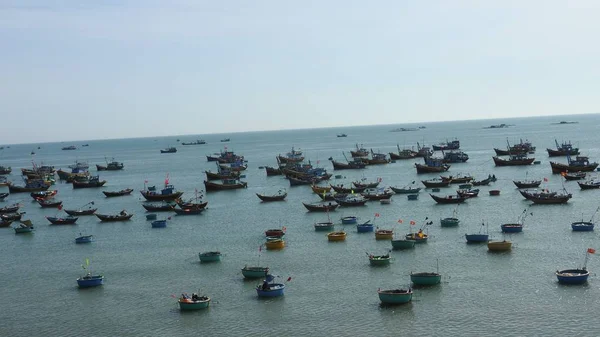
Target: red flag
[(399, 220), (59, 207), (289, 279), (591, 251), (284, 228), (412, 222), (377, 215), (545, 179)]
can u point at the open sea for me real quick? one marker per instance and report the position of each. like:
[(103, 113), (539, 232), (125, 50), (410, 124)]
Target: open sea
[(333, 289)]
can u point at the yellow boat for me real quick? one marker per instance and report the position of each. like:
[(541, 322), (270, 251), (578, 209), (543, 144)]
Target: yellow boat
[(320, 189), (499, 246), (384, 234), (336, 236), (273, 244)]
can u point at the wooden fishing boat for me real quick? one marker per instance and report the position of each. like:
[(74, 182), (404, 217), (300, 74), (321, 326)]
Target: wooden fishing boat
[(423, 151), (5, 222), (543, 197), (50, 203), (323, 226), (4, 181), (342, 189), (376, 159), (395, 296), (25, 226), (274, 244), (269, 288), (110, 166), (336, 236), (365, 185), (234, 167), (43, 194), (62, 221), (126, 191), (384, 234), (167, 193), (435, 183), (189, 211), (589, 184), (431, 169), (527, 183), (121, 216), (275, 233), (169, 150), (330, 196), (402, 154), (210, 256), (468, 193), (579, 164), (273, 171), (192, 203), (321, 207), (523, 147), (84, 238), (34, 186), (320, 189), (194, 302), (78, 212), (484, 182), (513, 160), (574, 175), (458, 179), (280, 196), (351, 200), (196, 142), (227, 184), (223, 174), (350, 165), (10, 208), (359, 152), (425, 278), (449, 199), (379, 260), (405, 190), (88, 183), (162, 207), (562, 150), (255, 272), (499, 246), (448, 145), (11, 216)]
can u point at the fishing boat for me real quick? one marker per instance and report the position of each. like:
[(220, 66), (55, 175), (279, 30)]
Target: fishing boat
[(573, 175), (193, 203), (11, 216), (589, 184), (434, 183), (337, 236), (577, 275), (365, 227), (167, 193), (10, 208), (376, 159), (448, 145), (110, 166), (400, 244), (5, 169), (255, 272), (275, 232), (159, 207), (420, 236), (171, 149), (379, 260), (121, 216), (348, 165), (89, 182), (384, 234), (499, 246), (478, 237), (320, 189), (452, 157), (89, 279), (69, 220), (546, 197), (350, 200), (70, 147), (359, 151), (342, 189), (43, 194), (452, 221), (126, 191), (5, 223), (423, 151), (517, 226), (527, 183), (210, 256), (274, 243), (50, 203), (584, 226), (449, 199), (484, 182), (342, 135), (579, 164), (432, 166), (458, 179), (349, 220), (321, 207), (84, 238), (273, 171), (324, 226), (224, 140), (395, 296), (402, 154), (523, 147), (562, 150), (32, 186), (226, 184), (377, 194), (409, 189), (513, 160), (189, 210), (269, 288), (162, 223), (24, 226), (468, 193), (425, 278), (279, 196), (196, 142), (194, 302), (293, 156)]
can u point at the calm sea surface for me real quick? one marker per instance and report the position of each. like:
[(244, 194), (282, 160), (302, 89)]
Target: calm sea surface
[(333, 290)]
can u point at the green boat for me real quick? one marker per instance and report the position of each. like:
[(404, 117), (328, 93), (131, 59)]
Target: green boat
[(425, 278), (210, 256), (24, 227), (254, 272), (395, 296), (449, 222), (193, 302), (400, 244), (379, 260)]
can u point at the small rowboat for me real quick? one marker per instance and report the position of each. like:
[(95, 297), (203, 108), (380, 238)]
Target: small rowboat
[(274, 244), (280, 196), (159, 223), (90, 280), (210, 256), (336, 236), (499, 246), (25, 226), (323, 226), (321, 207), (400, 244), (49, 203), (477, 238), (449, 222), (384, 234), (43, 194), (277, 233), (84, 239), (364, 227), (195, 302), (255, 272), (188, 211), (269, 288), (162, 207), (512, 228), (395, 296), (349, 220), (572, 276), (118, 193), (582, 226), (425, 278), (417, 237), (379, 260)]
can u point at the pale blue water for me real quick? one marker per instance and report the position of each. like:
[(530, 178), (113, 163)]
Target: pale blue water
[(333, 289)]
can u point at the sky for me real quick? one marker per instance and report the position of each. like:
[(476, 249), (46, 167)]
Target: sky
[(79, 70)]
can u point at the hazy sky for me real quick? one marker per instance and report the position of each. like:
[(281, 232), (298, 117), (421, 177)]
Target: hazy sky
[(110, 69)]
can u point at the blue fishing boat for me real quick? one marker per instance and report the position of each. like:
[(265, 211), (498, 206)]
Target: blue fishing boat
[(515, 227), (395, 296), (84, 238), (584, 226), (575, 276), (349, 220), (159, 223), (89, 280), (479, 237), (269, 288), (365, 227)]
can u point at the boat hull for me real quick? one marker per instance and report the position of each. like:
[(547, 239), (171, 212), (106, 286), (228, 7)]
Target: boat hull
[(379, 262), (477, 238), (499, 246), (255, 272), (276, 290), (84, 239), (582, 226), (449, 222), (511, 228), (193, 305), (94, 281), (395, 296), (204, 257), (336, 236), (364, 228), (572, 276), (403, 244), (425, 279)]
